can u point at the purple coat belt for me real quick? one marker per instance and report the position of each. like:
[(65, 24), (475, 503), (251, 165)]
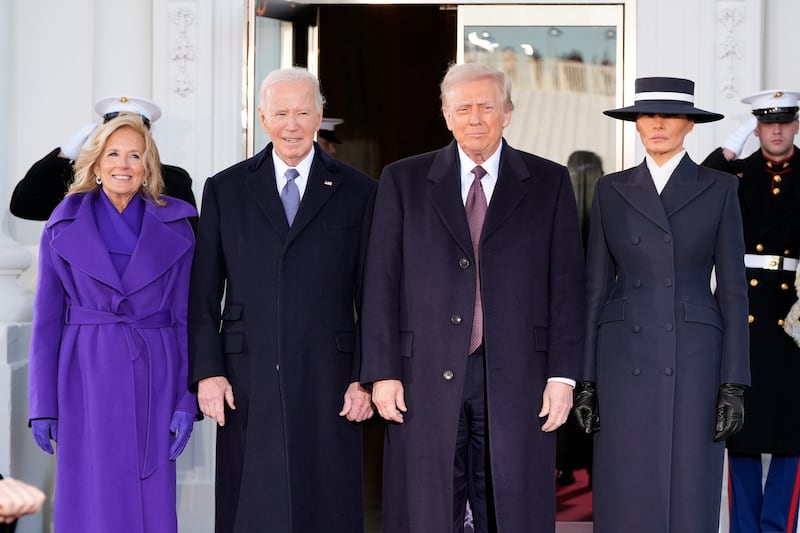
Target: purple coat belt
[(137, 346)]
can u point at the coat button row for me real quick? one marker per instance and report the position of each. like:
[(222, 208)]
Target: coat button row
[(463, 263), (448, 375), (455, 320)]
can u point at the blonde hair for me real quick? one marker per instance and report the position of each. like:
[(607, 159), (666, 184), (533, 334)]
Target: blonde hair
[(467, 72), (153, 183)]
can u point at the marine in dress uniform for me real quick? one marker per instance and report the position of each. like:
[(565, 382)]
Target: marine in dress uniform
[(45, 183), (769, 196)]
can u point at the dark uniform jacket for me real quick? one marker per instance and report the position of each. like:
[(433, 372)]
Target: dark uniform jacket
[(769, 197), (46, 183)]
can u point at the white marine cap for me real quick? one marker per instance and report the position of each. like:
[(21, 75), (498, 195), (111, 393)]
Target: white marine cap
[(110, 106), (774, 105)]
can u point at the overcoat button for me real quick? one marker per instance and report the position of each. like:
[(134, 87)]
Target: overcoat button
[(668, 371), (463, 263), (668, 326), (668, 282), (636, 328), (636, 371), (448, 375), (637, 283), (278, 367), (667, 238), (636, 239), (455, 320)]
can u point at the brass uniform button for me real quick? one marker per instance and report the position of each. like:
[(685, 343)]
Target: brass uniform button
[(759, 247), (777, 179), (776, 191), (785, 286), (780, 322), (754, 283), (787, 253), (750, 319)]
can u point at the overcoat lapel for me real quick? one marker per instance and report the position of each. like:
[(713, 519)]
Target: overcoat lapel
[(685, 184), (640, 192), (445, 194), (159, 247), (508, 192), (81, 245), (260, 181)]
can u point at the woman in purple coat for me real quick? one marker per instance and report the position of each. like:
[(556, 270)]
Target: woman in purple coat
[(108, 363)]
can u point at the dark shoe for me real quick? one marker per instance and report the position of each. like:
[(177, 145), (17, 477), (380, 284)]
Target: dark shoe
[(564, 478)]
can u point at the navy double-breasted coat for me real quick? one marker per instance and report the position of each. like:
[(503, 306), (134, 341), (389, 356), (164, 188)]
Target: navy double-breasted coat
[(285, 339), (419, 292), (659, 343)]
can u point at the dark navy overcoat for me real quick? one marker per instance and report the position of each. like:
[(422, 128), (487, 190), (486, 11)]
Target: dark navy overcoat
[(286, 340), (659, 343), (418, 308)]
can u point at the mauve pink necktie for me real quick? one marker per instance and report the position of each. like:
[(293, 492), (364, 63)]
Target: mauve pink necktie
[(476, 213)]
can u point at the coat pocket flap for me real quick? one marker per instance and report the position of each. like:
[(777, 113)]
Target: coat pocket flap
[(703, 314), (612, 311), (232, 312)]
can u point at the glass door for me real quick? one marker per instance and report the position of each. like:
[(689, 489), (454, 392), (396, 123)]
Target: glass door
[(565, 63), (280, 34)]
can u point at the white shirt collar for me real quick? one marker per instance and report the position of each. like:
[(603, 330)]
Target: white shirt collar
[(661, 174), (491, 166), (303, 168)]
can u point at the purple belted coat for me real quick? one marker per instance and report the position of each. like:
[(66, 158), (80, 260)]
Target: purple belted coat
[(109, 361)]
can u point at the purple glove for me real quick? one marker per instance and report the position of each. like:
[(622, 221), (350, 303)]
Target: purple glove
[(181, 426), (45, 429)]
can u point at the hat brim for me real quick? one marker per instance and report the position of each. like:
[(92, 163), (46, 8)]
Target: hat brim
[(660, 107)]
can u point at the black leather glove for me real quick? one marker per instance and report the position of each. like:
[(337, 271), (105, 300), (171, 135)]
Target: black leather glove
[(730, 411), (584, 407)]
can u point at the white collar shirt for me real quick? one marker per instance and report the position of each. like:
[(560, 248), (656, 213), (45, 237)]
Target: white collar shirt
[(661, 174), (303, 168), (491, 166)]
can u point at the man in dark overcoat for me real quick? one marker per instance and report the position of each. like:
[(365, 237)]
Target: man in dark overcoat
[(281, 241), (769, 196), (472, 308)]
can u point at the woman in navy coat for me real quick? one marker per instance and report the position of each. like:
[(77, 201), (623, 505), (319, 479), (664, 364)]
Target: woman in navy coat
[(666, 357), (108, 362)]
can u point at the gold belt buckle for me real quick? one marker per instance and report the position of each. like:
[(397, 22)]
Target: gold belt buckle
[(775, 262)]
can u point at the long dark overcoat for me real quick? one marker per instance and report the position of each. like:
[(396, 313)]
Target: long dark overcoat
[(418, 306), (771, 227), (109, 361), (286, 340), (659, 344)]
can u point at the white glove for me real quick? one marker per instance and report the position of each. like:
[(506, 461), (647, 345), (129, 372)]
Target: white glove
[(736, 140), (72, 146)]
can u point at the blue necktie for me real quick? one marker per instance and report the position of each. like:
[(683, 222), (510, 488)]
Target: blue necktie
[(290, 195)]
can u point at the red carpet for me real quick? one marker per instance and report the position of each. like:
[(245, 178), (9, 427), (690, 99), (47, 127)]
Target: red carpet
[(574, 502)]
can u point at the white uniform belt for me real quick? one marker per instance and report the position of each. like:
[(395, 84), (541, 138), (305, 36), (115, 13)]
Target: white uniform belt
[(770, 262)]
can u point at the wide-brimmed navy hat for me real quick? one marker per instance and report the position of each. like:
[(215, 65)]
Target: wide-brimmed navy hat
[(664, 96)]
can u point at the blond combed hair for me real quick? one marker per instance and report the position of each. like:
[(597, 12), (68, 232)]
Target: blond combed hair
[(92, 151), (468, 72)]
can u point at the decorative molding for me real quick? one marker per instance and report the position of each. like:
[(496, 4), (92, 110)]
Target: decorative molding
[(182, 50), (730, 17)]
